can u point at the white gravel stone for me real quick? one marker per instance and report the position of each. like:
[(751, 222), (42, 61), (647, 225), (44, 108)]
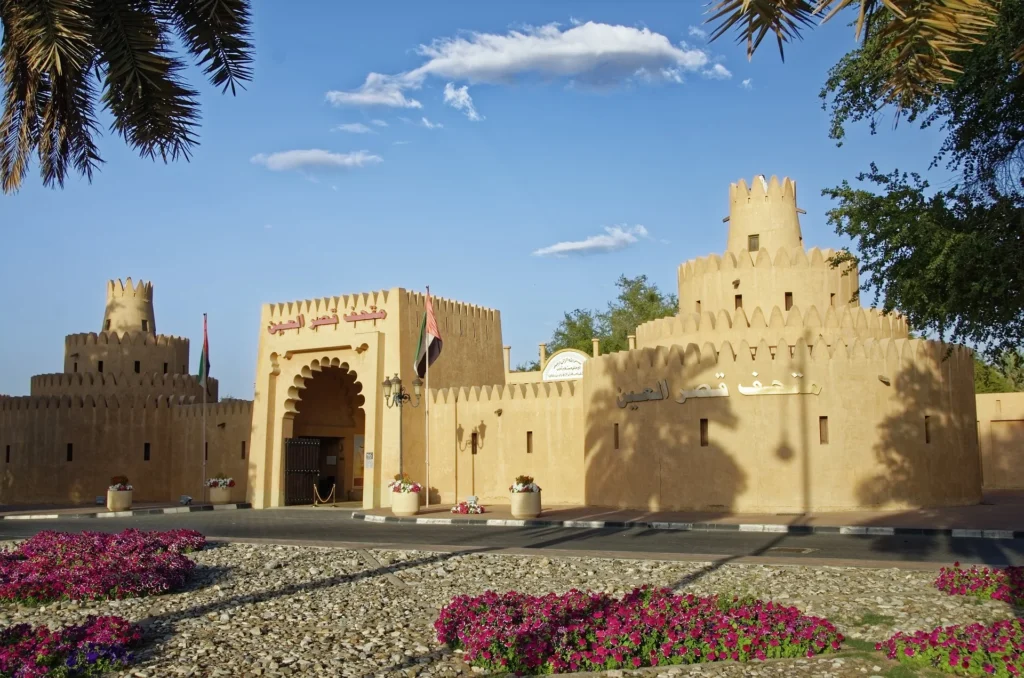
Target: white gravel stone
[(259, 610)]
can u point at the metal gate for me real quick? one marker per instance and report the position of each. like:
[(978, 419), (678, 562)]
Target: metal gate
[(301, 469)]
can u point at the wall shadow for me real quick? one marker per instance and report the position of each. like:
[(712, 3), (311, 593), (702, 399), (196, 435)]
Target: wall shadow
[(658, 455)]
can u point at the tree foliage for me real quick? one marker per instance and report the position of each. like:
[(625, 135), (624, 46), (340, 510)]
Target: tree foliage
[(988, 379), (981, 111), (924, 37), (637, 302), (57, 57), (950, 260)]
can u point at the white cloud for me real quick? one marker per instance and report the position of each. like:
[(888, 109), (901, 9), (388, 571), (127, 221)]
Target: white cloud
[(379, 123), (400, 143), (378, 90), (353, 127), (314, 158), (268, 226), (718, 72), (587, 53), (747, 84), (431, 125), (698, 32), (459, 99), (614, 238)]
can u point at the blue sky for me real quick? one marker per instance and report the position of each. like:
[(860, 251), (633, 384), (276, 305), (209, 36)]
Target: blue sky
[(577, 120)]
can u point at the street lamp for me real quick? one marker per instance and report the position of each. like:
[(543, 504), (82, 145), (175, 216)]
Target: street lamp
[(395, 395)]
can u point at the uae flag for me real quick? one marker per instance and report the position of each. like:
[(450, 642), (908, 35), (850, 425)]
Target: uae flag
[(430, 341), (204, 359)]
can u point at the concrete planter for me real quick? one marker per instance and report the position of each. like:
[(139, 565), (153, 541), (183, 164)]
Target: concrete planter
[(405, 503), (119, 501), (525, 504), (220, 495)]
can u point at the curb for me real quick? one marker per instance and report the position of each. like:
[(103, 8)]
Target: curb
[(852, 530), (128, 514)]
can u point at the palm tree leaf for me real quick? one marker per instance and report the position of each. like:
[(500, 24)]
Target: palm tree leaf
[(154, 111), (218, 32), (757, 18), (55, 34), (23, 93), (68, 127)]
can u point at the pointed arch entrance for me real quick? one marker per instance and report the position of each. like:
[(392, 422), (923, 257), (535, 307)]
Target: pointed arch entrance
[(328, 432)]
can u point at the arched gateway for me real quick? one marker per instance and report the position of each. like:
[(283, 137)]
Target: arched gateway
[(318, 410)]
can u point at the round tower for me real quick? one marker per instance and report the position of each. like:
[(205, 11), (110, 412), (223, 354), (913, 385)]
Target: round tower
[(764, 216), (129, 308)]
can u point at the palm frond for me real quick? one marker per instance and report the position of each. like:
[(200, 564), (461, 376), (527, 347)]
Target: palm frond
[(68, 127), (154, 111), (218, 33), (757, 18), (926, 34)]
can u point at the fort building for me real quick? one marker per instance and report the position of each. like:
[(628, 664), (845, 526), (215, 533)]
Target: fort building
[(124, 404), (771, 390)]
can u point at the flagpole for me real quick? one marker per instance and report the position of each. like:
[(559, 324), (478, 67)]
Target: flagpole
[(206, 380), (426, 415)]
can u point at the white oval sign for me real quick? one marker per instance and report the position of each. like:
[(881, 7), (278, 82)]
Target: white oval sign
[(564, 366)]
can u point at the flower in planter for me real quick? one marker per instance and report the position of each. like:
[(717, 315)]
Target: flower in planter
[(468, 507), (219, 481), (1005, 584), (964, 649), (120, 484), (403, 484), (524, 484)]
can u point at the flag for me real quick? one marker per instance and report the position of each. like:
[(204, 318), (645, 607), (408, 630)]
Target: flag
[(204, 359), (429, 347)]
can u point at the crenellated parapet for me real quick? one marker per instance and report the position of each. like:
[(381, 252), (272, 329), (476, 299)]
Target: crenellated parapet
[(221, 410), (92, 383), (776, 324), (113, 401), (453, 317), (111, 352), (321, 305), (743, 279), (129, 307), (559, 390)]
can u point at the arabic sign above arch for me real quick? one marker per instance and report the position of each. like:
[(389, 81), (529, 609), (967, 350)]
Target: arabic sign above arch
[(564, 365)]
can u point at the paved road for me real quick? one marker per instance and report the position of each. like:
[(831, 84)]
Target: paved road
[(327, 527)]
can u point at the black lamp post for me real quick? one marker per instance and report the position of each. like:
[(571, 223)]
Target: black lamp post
[(395, 395)]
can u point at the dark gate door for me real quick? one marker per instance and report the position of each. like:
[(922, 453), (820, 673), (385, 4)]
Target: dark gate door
[(301, 470)]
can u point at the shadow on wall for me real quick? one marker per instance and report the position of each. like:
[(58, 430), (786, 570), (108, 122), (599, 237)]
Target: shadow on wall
[(472, 441), (658, 455), (927, 445)]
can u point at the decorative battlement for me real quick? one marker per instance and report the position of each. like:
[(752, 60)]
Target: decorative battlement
[(84, 339), (339, 304), (129, 307), (185, 406), (847, 321), (785, 257), (726, 355), (766, 211), (452, 307), (97, 383), (506, 392), (140, 290)]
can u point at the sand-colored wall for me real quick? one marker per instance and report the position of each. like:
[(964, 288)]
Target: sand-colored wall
[(108, 436), (1001, 436), (764, 452), (501, 417), (762, 279), (120, 351)]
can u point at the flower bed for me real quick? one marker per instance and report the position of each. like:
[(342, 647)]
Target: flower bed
[(1005, 584), (967, 650), (576, 631), (99, 645), (92, 565)]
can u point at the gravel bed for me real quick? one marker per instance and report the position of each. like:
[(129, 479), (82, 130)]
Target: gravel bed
[(259, 610)]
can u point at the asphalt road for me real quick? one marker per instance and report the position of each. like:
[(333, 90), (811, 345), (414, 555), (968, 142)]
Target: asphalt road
[(334, 527)]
